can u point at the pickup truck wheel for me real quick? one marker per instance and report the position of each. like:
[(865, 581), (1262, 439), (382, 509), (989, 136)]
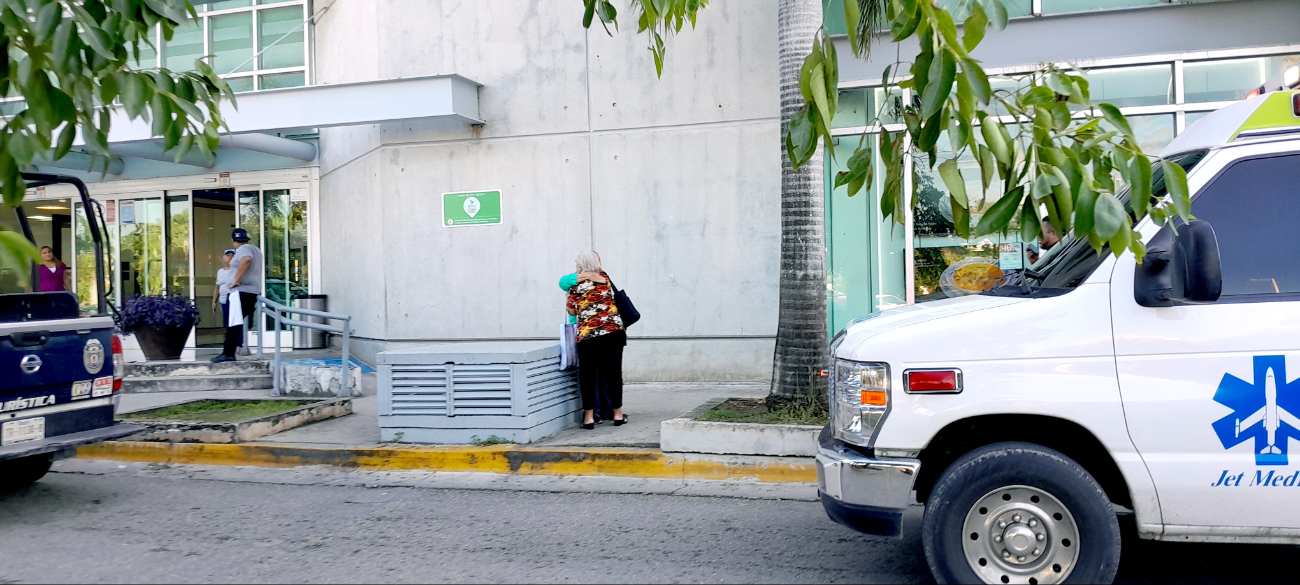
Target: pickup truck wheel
[(16, 474), (1019, 513)]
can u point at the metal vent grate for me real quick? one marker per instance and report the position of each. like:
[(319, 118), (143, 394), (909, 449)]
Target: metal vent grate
[(473, 389)]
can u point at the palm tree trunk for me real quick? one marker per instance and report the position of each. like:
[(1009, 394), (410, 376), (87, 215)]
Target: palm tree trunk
[(801, 344)]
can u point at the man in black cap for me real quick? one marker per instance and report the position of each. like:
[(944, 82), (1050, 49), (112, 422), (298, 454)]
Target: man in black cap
[(247, 284)]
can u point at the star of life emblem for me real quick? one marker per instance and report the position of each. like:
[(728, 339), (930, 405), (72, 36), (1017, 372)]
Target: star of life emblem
[(1264, 410)]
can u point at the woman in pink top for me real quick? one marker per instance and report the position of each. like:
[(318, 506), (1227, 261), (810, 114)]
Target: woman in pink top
[(54, 273)]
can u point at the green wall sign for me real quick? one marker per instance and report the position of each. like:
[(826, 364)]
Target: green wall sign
[(471, 208)]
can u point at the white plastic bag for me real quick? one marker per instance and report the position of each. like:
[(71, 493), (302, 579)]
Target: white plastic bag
[(568, 346)]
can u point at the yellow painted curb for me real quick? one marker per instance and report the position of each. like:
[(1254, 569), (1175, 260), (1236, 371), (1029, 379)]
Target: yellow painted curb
[(507, 459)]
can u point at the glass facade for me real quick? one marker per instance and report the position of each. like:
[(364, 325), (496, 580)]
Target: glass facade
[(1230, 79), (1151, 85), (172, 242), (873, 264), (833, 10), (1064, 6), (253, 45)]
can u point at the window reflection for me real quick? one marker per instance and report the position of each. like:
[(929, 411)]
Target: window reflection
[(1147, 85), (1062, 6), (1232, 79)]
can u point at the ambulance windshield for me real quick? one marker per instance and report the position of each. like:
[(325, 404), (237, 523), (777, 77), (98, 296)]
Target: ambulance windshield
[(1068, 263)]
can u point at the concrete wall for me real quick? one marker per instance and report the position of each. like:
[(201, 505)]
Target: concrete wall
[(676, 181)]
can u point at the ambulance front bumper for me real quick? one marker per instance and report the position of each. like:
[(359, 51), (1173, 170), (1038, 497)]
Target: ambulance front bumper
[(867, 494)]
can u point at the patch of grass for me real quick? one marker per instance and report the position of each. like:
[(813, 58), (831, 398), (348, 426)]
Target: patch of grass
[(218, 410), (491, 440), (741, 410)]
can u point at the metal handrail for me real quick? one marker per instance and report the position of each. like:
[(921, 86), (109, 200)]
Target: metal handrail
[(268, 306)]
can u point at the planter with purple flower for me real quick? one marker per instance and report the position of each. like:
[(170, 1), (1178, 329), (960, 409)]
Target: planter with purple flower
[(162, 324)]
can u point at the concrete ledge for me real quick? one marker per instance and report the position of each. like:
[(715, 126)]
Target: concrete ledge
[(687, 435), (238, 431), (503, 459)]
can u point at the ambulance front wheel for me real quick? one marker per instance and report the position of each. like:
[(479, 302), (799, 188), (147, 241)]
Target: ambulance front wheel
[(1019, 513)]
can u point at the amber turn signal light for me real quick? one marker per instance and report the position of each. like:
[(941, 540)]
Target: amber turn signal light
[(874, 398)]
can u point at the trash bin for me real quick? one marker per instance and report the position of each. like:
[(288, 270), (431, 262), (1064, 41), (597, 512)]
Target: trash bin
[(303, 337)]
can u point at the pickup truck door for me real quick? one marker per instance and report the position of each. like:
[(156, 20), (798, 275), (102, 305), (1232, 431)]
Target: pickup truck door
[(1212, 392)]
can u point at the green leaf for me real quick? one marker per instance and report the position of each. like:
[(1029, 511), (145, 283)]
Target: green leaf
[(907, 23), (1060, 84), (607, 13), (1085, 220), (997, 13), (1109, 216), (994, 138), (943, 72), (1120, 241), (961, 220), (958, 134), (66, 137), (189, 108), (1037, 96), (1112, 115), (979, 82), (988, 166), (930, 132), (17, 254), (973, 30), (1029, 221), (831, 73), (806, 73), (1139, 179), (953, 180), (852, 14), (47, 20), (921, 71), (589, 14), (998, 217), (1176, 185), (948, 29), (802, 141)]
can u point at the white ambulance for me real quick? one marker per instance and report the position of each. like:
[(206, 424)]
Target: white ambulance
[(1028, 418)]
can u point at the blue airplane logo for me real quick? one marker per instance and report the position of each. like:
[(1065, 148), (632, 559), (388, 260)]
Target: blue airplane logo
[(1263, 410)]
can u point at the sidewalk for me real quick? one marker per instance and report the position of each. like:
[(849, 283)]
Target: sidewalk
[(352, 442), (647, 405)]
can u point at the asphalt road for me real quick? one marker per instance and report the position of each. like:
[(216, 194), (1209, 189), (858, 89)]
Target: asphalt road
[(132, 528)]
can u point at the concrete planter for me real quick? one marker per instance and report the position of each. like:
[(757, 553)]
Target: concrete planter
[(687, 435), (241, 431)]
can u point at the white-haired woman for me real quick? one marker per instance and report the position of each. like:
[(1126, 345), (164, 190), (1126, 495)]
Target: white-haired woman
[(601, 338)]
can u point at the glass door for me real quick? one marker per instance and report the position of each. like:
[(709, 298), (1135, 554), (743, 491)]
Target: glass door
[(140, 239)]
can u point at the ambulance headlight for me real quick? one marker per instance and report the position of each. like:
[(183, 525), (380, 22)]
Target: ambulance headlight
[(859, 400)]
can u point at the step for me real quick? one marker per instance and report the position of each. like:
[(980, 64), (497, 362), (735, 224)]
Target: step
[(150, 384), (196, 369)]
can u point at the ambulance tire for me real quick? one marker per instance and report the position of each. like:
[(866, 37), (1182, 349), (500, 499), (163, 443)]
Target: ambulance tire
[(16, 474), (989, 474)]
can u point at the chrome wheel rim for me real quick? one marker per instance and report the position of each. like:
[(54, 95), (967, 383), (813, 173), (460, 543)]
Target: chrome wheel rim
[(1020, 534)]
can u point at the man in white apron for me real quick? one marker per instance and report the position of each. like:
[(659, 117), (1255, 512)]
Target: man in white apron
[(247, 284)]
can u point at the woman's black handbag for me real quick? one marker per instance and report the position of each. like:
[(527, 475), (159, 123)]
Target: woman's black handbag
[(626, 309)]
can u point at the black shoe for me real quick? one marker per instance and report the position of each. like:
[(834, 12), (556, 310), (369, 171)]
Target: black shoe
[(589, 426), (618, 422), (222, 358), (598, 420)]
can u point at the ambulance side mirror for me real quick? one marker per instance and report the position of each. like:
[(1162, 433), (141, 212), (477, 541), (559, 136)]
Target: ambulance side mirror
[(1180, 268)]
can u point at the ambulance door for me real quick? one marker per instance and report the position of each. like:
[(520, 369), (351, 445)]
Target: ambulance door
[(1212, 392)]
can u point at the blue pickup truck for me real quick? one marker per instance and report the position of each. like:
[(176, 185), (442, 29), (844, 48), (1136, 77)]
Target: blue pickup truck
[(60, 370)]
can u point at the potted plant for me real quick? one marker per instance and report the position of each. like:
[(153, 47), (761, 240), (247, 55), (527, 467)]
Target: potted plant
[(161, 323)]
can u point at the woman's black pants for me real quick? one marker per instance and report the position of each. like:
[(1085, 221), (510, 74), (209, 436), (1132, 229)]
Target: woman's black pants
[(601, 358)]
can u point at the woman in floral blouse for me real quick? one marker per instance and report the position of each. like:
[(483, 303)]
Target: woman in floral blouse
[(601, 338)]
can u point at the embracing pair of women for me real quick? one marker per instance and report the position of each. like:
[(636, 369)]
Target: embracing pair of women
[(601, 336)]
